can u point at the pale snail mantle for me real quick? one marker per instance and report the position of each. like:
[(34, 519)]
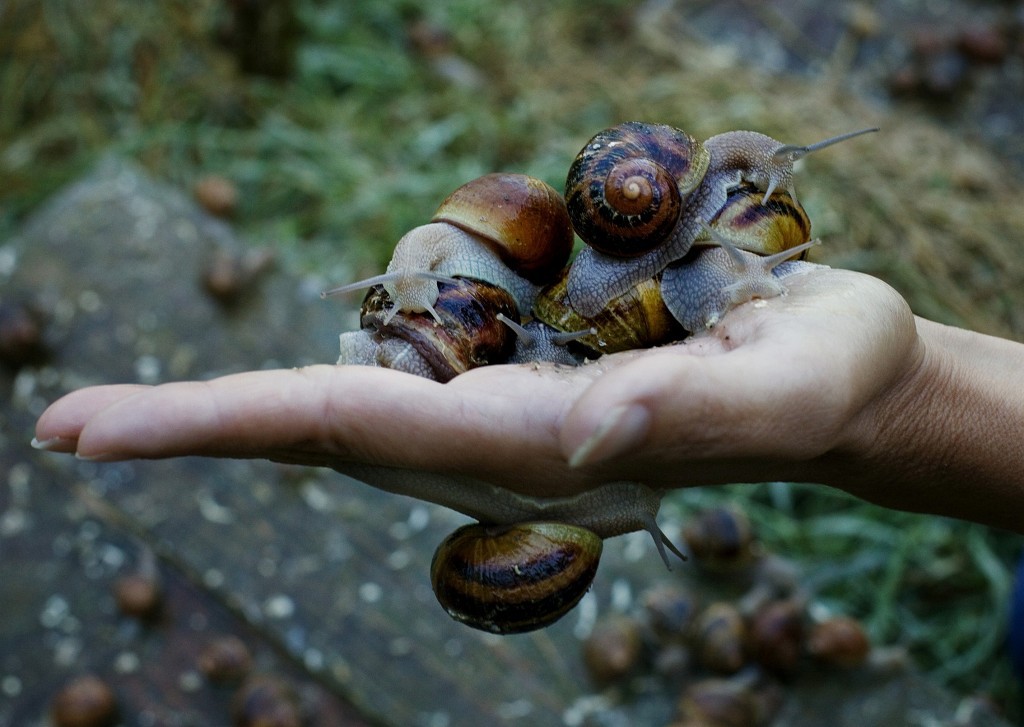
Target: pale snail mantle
[(676, 233)]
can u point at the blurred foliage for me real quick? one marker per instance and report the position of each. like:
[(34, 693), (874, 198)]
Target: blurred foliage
[(385, 106)]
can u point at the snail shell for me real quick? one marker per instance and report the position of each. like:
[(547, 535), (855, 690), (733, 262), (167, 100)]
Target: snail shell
[(514, 578), (776, 635), (719, 638), (717, 702), (626, 189), (613, 650), (636, 319), (757, 225), (523, 218), (720, 539), (839, 641), (470, 334)]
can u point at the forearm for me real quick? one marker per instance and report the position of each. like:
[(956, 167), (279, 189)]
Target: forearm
[(949, 437)]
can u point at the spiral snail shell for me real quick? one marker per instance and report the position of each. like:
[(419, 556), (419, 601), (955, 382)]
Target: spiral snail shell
[(509, 579), (626, 189)]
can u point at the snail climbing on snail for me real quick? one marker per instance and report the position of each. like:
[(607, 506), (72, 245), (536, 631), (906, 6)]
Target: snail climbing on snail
[(640, 194), (488, 250)]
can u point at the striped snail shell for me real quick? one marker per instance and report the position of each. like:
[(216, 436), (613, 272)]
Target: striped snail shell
[(471, 332), (509, 579), (636, 319)]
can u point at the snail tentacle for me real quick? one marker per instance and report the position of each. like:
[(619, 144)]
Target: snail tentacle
[(537, 342), (702, 289)]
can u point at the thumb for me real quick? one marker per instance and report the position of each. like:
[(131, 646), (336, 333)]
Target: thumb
[(672, 407)]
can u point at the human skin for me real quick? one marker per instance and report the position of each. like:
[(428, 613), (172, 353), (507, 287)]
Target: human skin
[(835, 383)]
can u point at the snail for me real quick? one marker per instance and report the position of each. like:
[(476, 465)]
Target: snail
[(613, 650), (473, 332), (510, 230), (640, 194), (495, 240), (719, 638), (516, 533), (839, 641), (720, 702), (776, 635), (643, 316), (720, 539)]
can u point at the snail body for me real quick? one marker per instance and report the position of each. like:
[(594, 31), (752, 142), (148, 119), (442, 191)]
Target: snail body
[(600, 272)]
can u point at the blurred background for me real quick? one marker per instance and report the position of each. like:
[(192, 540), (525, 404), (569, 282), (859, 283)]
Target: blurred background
[(321, 131)]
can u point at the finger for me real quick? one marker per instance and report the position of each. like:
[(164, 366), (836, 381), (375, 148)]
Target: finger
[(58, 427), (499, 424), (240, 415)]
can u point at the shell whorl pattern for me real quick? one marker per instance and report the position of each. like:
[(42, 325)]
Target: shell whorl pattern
[(509, 579), (626, 189)]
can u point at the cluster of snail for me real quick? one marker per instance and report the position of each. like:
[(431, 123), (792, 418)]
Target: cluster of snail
[(676, 233), (730, 654)]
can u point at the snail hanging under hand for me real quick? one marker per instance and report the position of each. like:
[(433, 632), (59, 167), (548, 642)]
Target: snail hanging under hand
[(529, 559)]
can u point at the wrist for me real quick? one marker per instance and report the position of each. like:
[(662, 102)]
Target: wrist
[(945, 436)]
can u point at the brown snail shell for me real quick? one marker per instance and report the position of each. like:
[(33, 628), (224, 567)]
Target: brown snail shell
[(669, 611), (776, 634), (523, 217), (86, 701), (720, 539), (717, 702), (636, 319), (764, 227), (514, 578), (613, 650), (627, 187), (719, 638), (839, 641), (470, 333), (509, 230)]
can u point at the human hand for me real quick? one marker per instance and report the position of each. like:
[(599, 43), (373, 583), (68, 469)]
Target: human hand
[(776, 392)]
